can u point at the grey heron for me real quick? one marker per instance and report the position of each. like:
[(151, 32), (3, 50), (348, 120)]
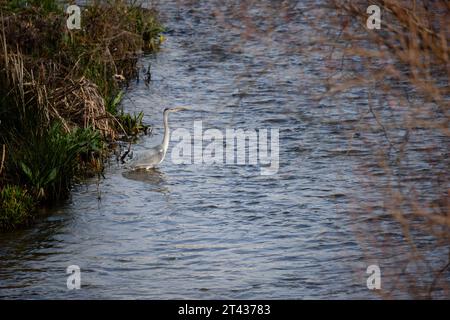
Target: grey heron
[(155, 155)]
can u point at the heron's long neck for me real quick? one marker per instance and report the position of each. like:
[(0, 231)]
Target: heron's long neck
[(166, 131)]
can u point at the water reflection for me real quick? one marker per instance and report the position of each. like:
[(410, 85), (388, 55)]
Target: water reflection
[(152, 177)]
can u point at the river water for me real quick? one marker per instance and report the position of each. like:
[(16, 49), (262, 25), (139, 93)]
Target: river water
[(211, 231)]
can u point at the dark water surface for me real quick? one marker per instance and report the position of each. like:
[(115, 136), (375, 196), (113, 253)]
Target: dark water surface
[(217, 231)]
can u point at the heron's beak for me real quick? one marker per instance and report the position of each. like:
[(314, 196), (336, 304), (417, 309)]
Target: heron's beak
[(179, 109)]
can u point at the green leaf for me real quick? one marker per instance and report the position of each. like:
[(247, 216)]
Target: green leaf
[(26, 170), (52, 175)]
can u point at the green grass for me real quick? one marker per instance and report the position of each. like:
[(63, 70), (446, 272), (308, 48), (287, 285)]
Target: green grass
[(51, 160), (132, 124), (16, 207)]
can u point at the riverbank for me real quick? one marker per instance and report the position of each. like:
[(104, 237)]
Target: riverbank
[(60, 95)]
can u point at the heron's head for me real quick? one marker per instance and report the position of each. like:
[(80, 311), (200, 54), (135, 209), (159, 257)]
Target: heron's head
[(167, 110)]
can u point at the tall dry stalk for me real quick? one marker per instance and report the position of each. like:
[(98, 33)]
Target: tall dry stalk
[(404, 68)]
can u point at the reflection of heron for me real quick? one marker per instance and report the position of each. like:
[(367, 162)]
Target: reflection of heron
[(154, 156), (154, 181), (155, 178)]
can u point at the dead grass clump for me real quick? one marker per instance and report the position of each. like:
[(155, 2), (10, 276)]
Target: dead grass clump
[(78, 103)]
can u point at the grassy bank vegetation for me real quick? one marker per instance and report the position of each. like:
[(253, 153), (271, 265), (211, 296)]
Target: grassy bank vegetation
[(60, 93)]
